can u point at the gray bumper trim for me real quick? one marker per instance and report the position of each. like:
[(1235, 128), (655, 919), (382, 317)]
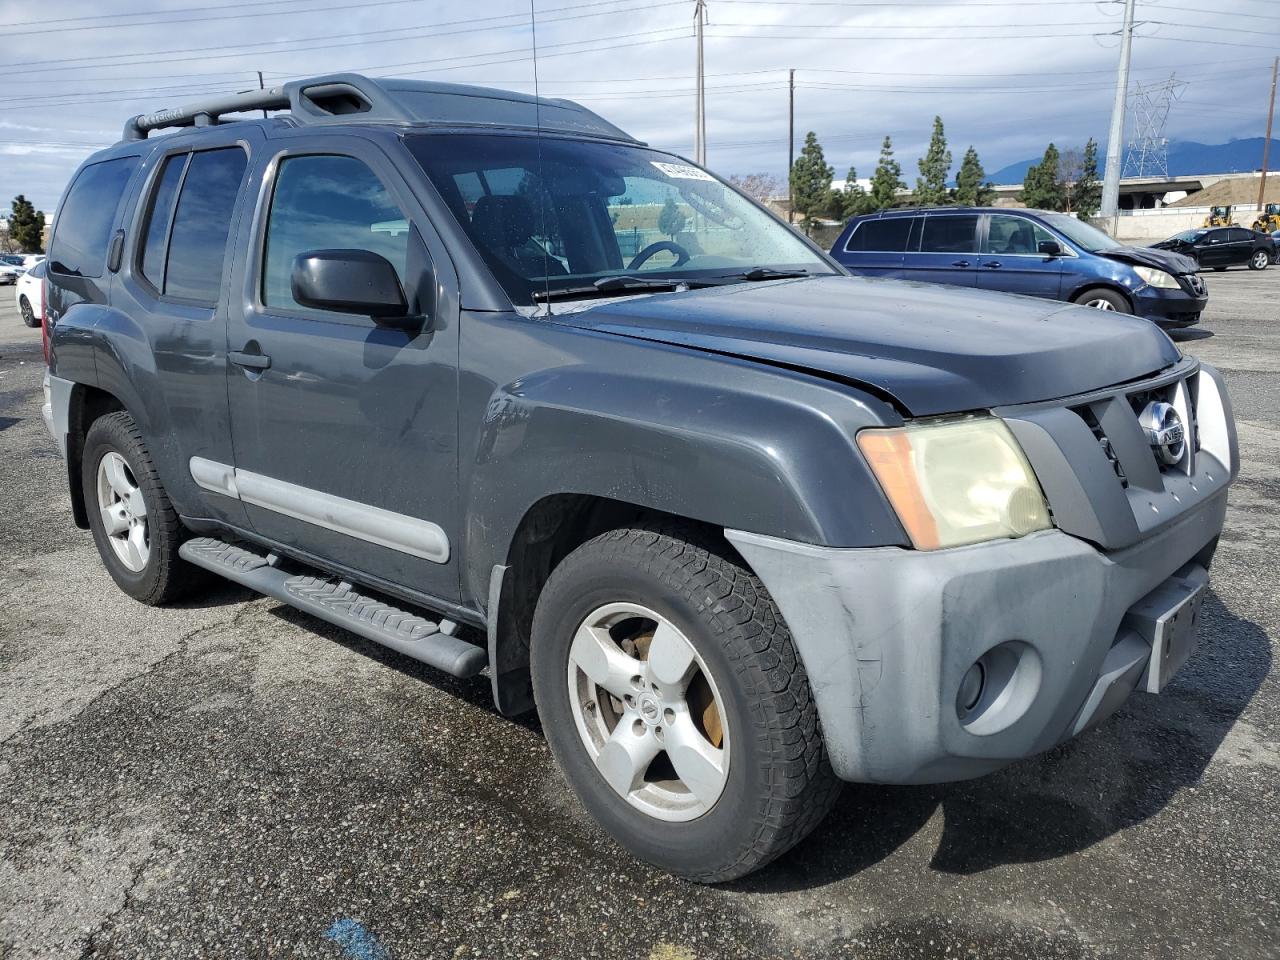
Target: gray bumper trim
[(886, 635)]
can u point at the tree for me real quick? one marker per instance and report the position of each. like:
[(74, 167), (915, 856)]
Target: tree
[(853, 200), (887, 180), (972, 187), (26, 226), (1041, 188), (671, 219), (811, 181), (758, 186), (1088, 192), (935, 166)]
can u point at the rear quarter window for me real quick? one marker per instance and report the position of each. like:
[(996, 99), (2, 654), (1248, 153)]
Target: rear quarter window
[(202, 224), (79, 245), (881, 236)]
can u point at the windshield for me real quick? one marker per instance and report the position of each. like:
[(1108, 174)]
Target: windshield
[(551, 214), (1082, 234), (1189, 236)]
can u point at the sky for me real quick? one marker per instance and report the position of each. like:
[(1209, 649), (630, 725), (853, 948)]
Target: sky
[(1006, 76)]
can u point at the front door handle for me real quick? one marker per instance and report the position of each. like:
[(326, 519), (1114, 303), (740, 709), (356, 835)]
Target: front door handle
[(959, 263), (253, 361), (992, 264)]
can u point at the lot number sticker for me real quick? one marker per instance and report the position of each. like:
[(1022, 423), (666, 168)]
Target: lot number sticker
[(682, 171)]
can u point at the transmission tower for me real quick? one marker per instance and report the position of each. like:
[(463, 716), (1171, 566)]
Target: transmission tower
[(1149, 105)]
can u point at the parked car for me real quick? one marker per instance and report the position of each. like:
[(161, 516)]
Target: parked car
[(30, 295), (739, 526), (11, 267), (1223, 247), (1051, 255)]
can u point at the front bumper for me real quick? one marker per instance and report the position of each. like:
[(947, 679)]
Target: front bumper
[(887, 635), (1170, 308)]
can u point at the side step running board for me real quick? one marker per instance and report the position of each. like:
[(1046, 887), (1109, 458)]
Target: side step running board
[(341, 604)]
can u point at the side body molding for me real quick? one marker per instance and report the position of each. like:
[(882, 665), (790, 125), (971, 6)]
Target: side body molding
[(386, 528)]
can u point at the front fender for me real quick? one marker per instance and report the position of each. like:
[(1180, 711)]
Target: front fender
[(716, 439)]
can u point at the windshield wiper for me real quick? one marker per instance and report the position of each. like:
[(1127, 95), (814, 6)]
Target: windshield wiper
[(769, 273), (609, 286)]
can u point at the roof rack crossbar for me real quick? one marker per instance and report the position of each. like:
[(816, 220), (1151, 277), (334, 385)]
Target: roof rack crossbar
[(206, 112)]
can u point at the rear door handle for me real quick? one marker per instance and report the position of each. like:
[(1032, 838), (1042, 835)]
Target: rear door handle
[(992, 264), (959, 263), (254, 361)]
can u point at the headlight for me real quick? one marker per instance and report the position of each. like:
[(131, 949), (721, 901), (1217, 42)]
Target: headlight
[(956, 482), (1157, 278)]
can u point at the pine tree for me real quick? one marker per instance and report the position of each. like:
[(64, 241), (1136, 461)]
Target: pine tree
[(1041, 188), (670, 219), (26, 226), (1088, 192), (811, 181), (855, 201), (972, 187), (935, 166), (887, 180)]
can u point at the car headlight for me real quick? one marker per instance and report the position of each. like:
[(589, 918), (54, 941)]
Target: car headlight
[(1157, 278), (956, 482)]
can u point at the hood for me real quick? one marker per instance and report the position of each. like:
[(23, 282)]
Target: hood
[(1154, 256), (933, 349)]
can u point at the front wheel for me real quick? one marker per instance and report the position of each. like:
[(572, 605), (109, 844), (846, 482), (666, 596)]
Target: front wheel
[(1100, 298), (671, 695), (1260, 260)]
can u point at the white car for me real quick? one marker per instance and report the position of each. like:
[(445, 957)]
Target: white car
[(11, 267), (30, 294)]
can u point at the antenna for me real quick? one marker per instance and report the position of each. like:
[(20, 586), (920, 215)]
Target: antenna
[(1148, 154), (542, 180)]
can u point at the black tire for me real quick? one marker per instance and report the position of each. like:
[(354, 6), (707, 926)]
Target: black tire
[(28, 315), (1259, 260), (166, 576), (779, 783), (1101, 294)]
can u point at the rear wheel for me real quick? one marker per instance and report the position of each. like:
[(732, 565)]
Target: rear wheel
[(1260, 260), (1100, 298), (671, 696), (28, 315), (134, 525)]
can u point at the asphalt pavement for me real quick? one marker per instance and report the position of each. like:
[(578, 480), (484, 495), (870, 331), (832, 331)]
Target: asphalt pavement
[(232, 778)]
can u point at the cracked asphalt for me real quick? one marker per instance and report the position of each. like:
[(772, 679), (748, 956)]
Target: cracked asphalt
[(232, 778)]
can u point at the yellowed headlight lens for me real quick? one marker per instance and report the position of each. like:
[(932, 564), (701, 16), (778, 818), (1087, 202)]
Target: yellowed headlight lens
[(956, 482)]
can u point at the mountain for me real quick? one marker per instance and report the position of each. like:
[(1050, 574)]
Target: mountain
[(1186, 158)]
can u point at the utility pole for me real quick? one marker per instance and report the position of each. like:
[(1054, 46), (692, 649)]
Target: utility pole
[(1266, 144), (791, 145), (700, 133), (1115, 139)]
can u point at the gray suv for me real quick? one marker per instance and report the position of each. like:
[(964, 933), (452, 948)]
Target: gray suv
[(484, 379)]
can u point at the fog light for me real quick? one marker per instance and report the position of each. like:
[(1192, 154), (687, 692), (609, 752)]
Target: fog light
[(971, 688)]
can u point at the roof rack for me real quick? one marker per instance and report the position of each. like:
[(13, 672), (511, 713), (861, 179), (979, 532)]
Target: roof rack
[(350, 97)]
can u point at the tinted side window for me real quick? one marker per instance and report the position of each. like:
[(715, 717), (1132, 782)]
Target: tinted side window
[(1014, 236), (159, 216), (881, 236), (201, 223), (328, 202), (1236, 236), (79, 248), (949, 234)]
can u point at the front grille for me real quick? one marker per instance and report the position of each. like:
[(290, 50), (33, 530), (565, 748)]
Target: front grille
[(1091, 422), (1193, 283)]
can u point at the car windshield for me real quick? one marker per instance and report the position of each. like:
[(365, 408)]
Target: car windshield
[(1189, 236), (12, 261), (1083, 235), (556, 215)]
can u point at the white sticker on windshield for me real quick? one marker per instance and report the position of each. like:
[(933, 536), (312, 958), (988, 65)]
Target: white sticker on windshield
[(682, 171)]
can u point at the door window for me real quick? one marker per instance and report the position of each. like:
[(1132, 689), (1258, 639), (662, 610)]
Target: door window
[(79, 248), (159, 217), (1014, 236), (949, 234), (324, 203), (881, 236), (202, 223), (1238, 236)]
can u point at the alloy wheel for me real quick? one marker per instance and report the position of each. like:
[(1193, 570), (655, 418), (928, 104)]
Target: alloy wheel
[(648, 712), (123, 511), (1098, 303)]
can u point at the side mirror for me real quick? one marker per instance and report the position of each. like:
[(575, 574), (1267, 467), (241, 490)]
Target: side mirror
[(352, 281), (1050, 248)]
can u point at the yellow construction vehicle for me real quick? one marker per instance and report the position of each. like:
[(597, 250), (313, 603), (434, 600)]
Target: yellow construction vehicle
[(1269, 220), (1219, 217)]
